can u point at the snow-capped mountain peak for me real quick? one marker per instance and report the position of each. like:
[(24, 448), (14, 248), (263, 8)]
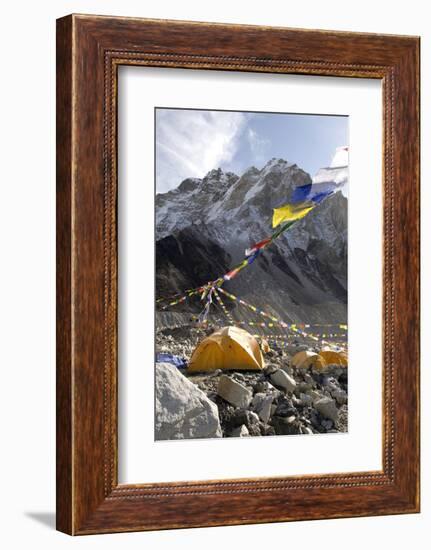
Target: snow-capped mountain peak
[(225, 213)]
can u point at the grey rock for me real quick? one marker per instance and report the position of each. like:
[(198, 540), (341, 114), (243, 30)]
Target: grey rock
[(327, 424), (271, 368), (183, 411), (287, 369), (217, 372), (262, 406), (283, 380), (327, 408), (306, 399), (249, 418), (233, 392), (253, 418), (340, 396), (285, 426), (335, 370), (330, 383), (241, 431), (257, 399), (285, 407), (267, 430), (309, 379), (242, 416), (261, 386), (296, 348), (315, 395), (295, 399), (304, 387), (315, 420)]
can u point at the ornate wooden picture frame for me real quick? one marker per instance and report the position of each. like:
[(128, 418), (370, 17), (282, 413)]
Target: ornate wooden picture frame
[(89, 51)]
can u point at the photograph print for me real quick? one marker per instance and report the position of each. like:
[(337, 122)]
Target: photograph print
[(251, 241)]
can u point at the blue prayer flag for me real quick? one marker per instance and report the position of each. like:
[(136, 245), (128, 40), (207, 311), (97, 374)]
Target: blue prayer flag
[(300, 193)]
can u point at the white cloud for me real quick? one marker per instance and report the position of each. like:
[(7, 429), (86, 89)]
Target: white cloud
[(258, 144), (190, 143)]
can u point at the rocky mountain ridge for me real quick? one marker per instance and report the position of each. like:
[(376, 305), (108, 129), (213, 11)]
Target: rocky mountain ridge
[(204, 225)]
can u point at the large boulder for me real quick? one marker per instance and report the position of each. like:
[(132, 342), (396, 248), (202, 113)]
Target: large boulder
[(233, 392), (282, 380), (327, 408), (183, 411)]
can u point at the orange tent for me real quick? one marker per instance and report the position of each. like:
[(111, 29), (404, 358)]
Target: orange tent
[(333, 357), (305, 359), (228, 348)]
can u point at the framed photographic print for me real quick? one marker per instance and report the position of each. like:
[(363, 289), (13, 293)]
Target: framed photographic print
[(237, 274)]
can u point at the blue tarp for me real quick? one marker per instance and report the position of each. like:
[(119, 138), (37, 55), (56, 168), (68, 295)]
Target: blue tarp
[(175, 360)]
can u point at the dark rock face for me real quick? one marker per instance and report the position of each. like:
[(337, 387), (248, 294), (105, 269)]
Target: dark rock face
[(186, 259), (204, 226)]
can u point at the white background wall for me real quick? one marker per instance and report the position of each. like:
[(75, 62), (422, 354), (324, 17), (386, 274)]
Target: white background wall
[(27, 236)]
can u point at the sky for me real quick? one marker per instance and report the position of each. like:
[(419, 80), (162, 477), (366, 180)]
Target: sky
[(190, 143)]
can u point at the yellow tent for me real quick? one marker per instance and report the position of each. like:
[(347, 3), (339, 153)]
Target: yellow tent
[(305, 359), (332, 357), (228, 348)]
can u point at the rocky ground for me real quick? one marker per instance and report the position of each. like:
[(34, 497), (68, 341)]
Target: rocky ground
[(280, 400)]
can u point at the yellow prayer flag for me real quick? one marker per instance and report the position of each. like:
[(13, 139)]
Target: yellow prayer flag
[(290, 212)]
